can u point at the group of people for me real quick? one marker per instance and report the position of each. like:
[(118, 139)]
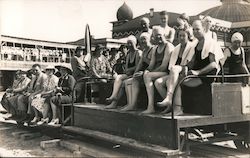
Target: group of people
[(31, 99), (149, 58), (32, 54), (153, 60)]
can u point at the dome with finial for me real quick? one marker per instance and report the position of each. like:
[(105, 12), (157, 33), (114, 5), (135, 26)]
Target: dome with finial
[(124, 13), (230, 10)]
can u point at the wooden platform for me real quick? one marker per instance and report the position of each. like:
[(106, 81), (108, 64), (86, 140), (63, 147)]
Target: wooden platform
[(155, 129)]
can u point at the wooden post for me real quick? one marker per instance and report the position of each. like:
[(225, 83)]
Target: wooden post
[(1, 81)]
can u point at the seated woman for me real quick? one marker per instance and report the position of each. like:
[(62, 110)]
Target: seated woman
[(132, 60), (99, 64), (205, 55), (235, 59), (133, 91), (41, 101), (177, 61), (63, 91), (9, 100), (158, 66)]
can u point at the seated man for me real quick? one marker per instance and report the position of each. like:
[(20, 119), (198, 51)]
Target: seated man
[(9, 99), (36, 86), (80, 66)]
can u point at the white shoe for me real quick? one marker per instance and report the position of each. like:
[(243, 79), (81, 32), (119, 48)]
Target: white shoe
[(46, 120), (54, 121), (35, 119)]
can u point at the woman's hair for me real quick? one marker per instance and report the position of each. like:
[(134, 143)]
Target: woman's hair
[(121, 47), (157, 29), (184, 16), (187, 30)]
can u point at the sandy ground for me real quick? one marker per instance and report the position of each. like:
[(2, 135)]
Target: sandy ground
[(14, 147)]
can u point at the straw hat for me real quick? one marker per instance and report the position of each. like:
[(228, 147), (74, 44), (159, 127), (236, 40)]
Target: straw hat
[(50, 67), (68, 67)]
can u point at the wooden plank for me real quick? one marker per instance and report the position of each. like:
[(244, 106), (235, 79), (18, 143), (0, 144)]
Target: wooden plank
[(186, 120), (153, 130), (203, 121), (122, 141)]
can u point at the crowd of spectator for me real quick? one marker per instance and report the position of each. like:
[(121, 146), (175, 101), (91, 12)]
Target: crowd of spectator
[(32, 54)]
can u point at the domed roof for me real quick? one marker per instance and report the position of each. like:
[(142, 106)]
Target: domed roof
[(230, 10), (124, 13)]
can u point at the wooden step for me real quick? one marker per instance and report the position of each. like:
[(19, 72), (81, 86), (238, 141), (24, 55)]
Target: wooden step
[(150, 129), (128, 142)]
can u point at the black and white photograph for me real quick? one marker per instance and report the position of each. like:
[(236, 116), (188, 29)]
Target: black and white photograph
[(125, 78)]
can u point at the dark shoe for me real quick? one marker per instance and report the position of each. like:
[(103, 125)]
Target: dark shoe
[(3, 112)]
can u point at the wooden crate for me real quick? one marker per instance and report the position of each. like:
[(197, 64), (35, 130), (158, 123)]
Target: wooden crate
[(226, 99)]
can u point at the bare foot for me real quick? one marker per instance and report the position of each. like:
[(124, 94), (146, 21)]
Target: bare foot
[(167, 110), (148, 111), (128, 108), (177, 111), (111, 106), (111, 99), (165, 103)]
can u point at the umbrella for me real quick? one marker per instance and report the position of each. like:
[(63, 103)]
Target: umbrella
[(87, 42)]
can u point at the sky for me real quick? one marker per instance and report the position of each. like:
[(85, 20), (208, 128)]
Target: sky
[(65, 20)]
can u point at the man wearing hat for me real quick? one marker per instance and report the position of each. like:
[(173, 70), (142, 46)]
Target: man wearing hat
[(63, 91), (80, 68), (9, 100)]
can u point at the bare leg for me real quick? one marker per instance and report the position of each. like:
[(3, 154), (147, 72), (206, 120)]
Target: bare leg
[(193, 82), (117, 85), (171, 84), (149, 77), (113, 104), (53, 108), (128, 90), (45, 110), (135, 88), (161, 86)]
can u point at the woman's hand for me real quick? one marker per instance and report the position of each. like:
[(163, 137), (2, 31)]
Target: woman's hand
[(59, 89), (195, 72)]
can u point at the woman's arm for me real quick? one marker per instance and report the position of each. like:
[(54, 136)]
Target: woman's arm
[(152, 61), (212, 65), (139, 66), (24, 87), (171, 35), (226, 55), (244, 61)]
